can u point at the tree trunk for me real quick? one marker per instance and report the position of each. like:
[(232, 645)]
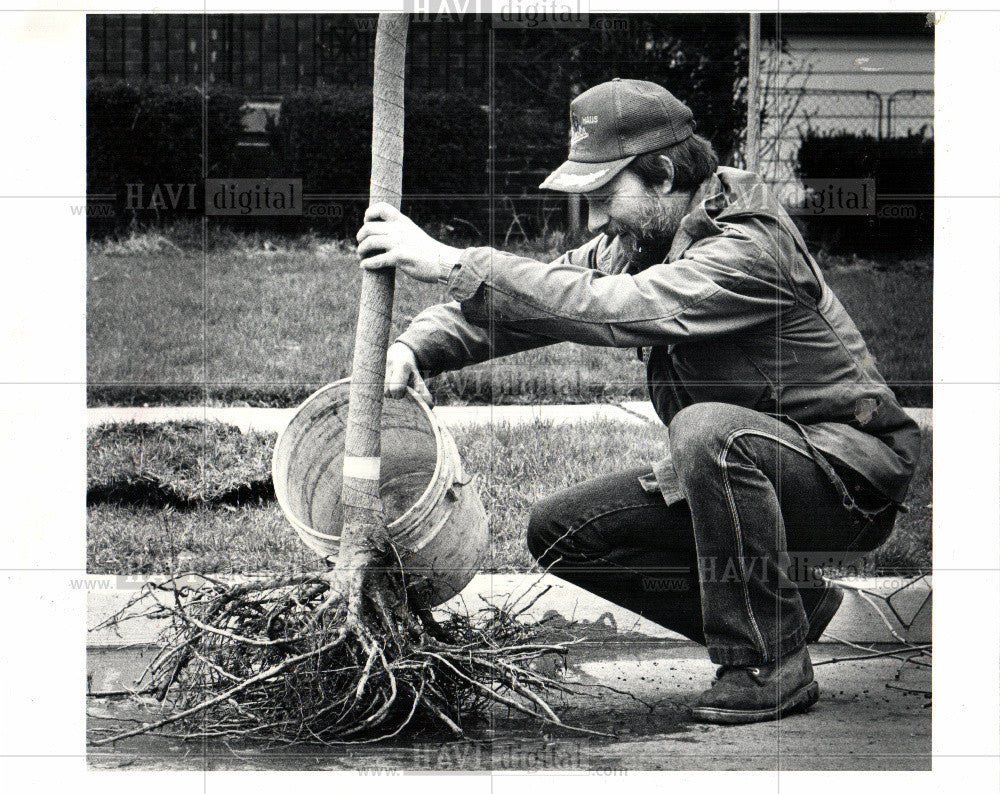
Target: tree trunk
[(363, 539)]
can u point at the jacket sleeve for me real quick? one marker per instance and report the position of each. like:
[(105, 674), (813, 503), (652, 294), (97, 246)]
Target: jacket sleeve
[(443, 339), (723, 285)]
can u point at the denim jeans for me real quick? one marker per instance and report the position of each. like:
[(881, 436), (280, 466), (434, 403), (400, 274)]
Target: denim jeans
[(717, 567)]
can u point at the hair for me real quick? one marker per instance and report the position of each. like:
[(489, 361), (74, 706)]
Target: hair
[(694, 161)]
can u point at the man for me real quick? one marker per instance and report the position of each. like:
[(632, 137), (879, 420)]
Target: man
[(783, 437)]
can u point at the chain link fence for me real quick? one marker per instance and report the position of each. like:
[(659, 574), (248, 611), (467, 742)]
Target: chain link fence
[(909, 112), (789, 113)]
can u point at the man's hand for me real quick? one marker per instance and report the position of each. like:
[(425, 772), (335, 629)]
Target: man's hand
[(401, 371), (390, 239)]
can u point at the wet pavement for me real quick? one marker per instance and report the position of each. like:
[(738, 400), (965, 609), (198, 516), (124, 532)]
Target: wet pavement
[(872, 715)]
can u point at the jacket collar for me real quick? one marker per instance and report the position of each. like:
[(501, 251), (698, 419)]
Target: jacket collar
[(698, 223), (727, 193)]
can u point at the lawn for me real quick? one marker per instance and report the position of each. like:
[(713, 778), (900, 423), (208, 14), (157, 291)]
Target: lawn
[(199, 497), (267, 324)]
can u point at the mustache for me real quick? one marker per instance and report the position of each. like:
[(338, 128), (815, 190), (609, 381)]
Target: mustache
[(642, 232), (645, 240), (654, 223)]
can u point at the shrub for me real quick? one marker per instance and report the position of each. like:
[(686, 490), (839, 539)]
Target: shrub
[(902, 167), (151, 134), (325, 138)]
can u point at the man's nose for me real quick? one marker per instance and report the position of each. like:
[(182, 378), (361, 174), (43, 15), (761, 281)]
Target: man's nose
[(597, 218)]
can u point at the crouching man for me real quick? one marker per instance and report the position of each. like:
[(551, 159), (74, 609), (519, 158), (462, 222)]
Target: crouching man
[(783, 436)]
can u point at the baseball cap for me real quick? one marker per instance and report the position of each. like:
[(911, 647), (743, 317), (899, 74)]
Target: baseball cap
[(613, 123)]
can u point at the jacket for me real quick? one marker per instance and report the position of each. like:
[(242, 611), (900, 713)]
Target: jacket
[(739, 312)]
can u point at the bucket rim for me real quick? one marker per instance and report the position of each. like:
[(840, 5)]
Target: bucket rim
[(307, 532)]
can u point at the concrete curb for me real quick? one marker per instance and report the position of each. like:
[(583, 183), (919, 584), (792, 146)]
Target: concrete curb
[(274, 420), (643, 408), (857, 620)]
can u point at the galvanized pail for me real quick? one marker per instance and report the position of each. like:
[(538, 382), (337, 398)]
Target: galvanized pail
[(433, 511)]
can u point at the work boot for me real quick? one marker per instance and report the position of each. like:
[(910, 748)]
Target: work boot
[(822, 611), (741, 694)]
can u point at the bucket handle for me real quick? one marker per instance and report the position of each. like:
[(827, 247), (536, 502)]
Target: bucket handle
[(458, 482)]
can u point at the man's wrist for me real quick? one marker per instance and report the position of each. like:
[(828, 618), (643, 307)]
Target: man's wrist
[(447, 263)]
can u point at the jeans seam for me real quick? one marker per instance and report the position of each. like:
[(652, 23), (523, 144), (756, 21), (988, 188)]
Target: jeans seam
[(806, 454), (737, 533), (751, 432), (571, 530), (618, 509), (736, 519)]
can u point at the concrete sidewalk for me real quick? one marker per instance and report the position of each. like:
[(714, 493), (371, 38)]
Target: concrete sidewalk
[(274, 420), (636, 681), (864, 617), (873, 714)]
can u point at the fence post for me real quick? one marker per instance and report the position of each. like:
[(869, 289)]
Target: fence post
[(574, 215), (753, 98)]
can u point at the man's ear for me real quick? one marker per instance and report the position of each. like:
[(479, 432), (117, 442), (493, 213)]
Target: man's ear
[(668, 167)]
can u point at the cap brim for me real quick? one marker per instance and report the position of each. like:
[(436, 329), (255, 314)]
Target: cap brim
[(576, 177)]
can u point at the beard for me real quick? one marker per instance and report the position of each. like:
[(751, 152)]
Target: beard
[(646, 238)]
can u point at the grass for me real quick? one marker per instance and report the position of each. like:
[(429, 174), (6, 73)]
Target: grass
[(893, 309), (516, 465), (137, 539), (250, 320), (185, 463)]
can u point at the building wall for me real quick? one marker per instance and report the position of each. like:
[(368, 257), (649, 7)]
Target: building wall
[(865, 84), (875, 63), (269, 54)]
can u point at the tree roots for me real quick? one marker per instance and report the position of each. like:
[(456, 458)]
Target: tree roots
[(284, 660)]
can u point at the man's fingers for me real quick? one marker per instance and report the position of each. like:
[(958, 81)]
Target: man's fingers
[(375, 244), (397, 376), (421, 388), (372, 228), (381, 212), (395, 386), (379, 262)]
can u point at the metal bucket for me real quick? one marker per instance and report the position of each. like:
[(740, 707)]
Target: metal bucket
[(432, 509)]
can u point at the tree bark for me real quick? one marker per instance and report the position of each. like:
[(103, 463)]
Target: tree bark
[(363, 540)]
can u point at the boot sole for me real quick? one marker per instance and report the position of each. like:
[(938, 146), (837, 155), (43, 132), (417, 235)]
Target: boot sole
[(800, 700)]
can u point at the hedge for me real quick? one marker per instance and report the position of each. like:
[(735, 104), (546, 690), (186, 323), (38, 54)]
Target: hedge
[(325, 139), (151, 134), (902, 167)]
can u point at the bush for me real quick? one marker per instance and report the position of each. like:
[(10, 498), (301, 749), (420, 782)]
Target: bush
[(325, 138), (151, 134), (901, 167)]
